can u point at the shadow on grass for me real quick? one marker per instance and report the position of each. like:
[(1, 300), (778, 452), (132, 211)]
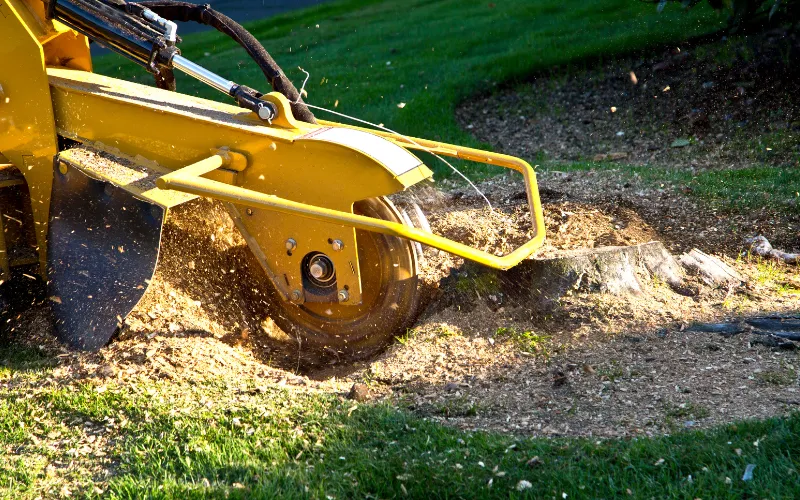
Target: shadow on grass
[(18, 358)]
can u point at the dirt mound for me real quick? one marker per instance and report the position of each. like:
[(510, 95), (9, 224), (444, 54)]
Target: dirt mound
[(587, 382), (598, 365), (201, 316), (206, 306), (462, 215)]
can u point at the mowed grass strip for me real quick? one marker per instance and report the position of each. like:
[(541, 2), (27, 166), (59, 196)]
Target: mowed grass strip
[(365, 58), (231, 439)]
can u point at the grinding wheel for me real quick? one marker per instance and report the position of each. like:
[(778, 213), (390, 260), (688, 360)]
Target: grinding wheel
[(389, 290)]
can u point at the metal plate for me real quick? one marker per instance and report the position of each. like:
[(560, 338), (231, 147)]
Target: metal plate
[(103, 248), (397, 159)]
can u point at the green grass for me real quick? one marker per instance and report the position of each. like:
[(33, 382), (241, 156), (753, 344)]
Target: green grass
[(526, 341), (611, 371), (767, 271), (748, 188), (370, 56), (784, 376), (688, 410), (366, 57), (738, 190), (230, 439), (763, 148)]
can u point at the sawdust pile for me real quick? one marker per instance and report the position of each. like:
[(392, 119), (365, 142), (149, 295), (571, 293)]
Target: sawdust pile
[(204, 315), (207, 291), (571, 225)]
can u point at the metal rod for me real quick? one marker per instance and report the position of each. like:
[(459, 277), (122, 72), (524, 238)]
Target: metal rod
[(198, 169), (202, 74), (469, 154), (237, 195)]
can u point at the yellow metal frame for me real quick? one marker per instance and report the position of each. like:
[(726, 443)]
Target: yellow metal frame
[(172, 130), (189, 180), (28, 42)]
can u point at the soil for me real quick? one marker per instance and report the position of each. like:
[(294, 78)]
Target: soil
[(599, 365), (725, 98), (733, 103)]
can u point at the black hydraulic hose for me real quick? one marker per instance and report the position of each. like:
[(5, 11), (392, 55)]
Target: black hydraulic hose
[(204, 14)]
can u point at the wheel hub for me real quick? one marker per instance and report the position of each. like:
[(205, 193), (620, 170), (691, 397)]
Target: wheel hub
[(319, 270)]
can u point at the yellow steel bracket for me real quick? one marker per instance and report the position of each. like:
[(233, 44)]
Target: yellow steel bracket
[(27, 128), (189, 180)]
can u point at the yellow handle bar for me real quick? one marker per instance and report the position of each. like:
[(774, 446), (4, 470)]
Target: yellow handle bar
[(189, 180)]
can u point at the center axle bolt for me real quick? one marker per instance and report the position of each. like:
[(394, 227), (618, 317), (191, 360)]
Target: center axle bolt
[(318, 269)]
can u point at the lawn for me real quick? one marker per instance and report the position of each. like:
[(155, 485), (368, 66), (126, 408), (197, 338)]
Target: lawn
[(233, 439), (733, 191), (367, 57)]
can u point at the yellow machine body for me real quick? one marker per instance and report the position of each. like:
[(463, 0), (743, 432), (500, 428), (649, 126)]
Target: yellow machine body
[(290, 186)]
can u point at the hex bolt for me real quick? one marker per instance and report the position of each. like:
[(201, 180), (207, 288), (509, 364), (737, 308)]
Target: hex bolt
[(62, 167), (249, 211), (343, 295), (297, 295), (337, 245), (291, 244)]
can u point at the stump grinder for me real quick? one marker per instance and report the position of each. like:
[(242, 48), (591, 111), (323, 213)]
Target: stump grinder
[(90, 166)]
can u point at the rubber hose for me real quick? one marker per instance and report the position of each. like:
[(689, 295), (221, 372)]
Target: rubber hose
[(204, 14)]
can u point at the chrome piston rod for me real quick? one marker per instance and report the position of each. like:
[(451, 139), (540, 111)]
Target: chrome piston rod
[(208, 77), (245, 97)]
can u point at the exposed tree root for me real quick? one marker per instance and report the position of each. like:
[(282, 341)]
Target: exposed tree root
[(761, 246)]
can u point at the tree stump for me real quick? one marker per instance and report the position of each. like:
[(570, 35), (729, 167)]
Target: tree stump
[(614, 270), (710, 269), (542, 282)]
